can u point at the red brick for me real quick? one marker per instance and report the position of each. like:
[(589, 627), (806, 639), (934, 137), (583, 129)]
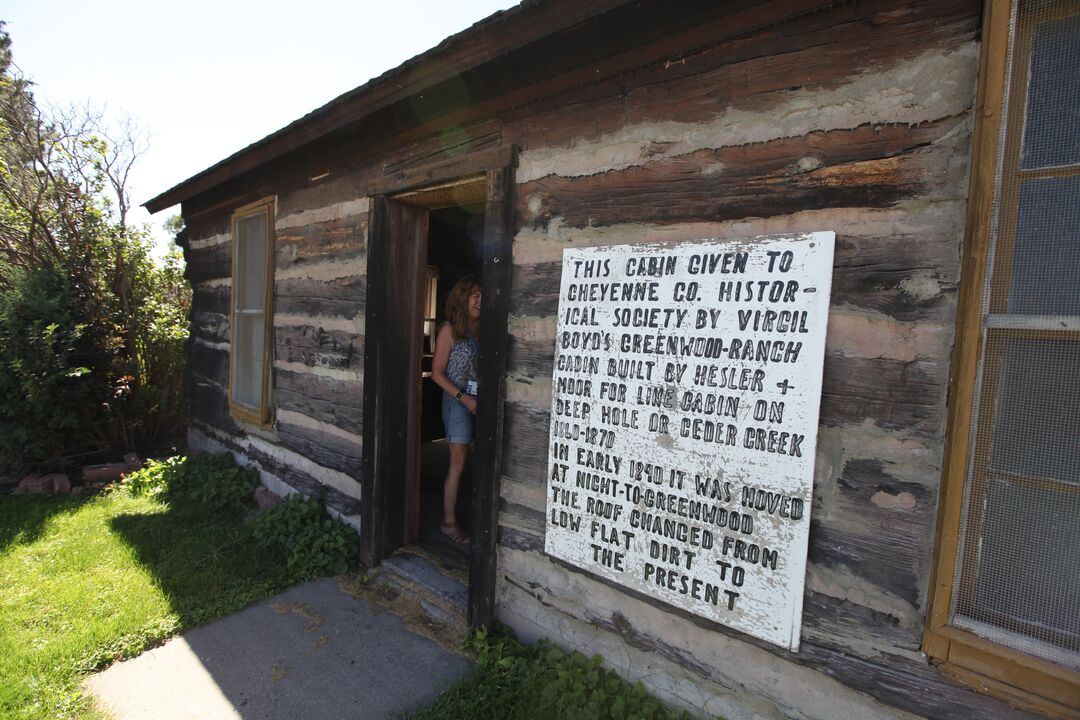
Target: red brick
[(108, 471), (60, 483), (34, 484)]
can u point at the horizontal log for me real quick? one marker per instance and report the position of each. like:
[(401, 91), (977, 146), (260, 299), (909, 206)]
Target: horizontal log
[(340, 297), (345, 417), (878, 527), (300, 197), (210, 327), (819, 51), (335, 402), (525, 443), (207, 362), (477, 155), (878, 560), (909, 685), (906, 277), (868, 167), (343, 237), (316, 347), (208, 263), (321, 448), (210, 300), (525, 518), (206, 225), (418, 150), (515, 539), (209, 404), (348, 393), (895, 395), (867, 483), (837, 622), (301, 481), (530, 358)]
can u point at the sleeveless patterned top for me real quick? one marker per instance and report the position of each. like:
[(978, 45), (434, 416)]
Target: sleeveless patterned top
[(461, 367)]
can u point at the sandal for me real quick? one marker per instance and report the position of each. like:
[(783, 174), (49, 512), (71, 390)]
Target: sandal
[(455, 533)]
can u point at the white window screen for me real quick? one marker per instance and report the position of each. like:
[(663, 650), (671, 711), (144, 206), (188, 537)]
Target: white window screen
[(1017, 581), (249, 309)]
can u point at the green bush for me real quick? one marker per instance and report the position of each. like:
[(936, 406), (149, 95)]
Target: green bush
[(218, 483), (156, 477), (517, 682), (47, 391), (214, 481), (314, 543)]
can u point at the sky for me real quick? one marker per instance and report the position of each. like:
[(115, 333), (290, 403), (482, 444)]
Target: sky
[(203, 79)]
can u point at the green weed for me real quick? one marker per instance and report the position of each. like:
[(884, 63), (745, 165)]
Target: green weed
[(313, 543), (214, 481), (519, 682)]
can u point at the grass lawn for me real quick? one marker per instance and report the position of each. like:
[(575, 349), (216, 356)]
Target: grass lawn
[(85, 581)]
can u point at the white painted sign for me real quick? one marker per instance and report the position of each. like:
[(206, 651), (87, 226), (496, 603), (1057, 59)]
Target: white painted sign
[(684, 416)]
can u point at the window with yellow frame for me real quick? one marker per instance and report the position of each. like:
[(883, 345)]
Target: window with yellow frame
[(251, 313), (1005, 606)]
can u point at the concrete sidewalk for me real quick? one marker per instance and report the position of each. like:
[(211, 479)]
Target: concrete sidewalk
[(313, 652)]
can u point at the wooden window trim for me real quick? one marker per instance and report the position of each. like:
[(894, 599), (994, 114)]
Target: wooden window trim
[(261, 416), (1023, 680)]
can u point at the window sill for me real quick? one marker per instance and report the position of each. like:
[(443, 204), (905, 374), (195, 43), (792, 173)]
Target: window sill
[(1023, 681)]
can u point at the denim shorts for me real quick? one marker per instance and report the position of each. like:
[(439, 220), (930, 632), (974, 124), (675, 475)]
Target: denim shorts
[(460, 423)]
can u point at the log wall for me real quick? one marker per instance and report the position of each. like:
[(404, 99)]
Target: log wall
[(314, 443), (857, 119)]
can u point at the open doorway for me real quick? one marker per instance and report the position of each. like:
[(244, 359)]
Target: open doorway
[(454, 245), (461, 209), (430, 238)]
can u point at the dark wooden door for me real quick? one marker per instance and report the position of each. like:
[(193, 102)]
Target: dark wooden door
[(397, 250), (396, 257)]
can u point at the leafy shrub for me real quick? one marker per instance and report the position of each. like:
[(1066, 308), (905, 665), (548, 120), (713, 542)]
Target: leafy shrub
[(156, 477), (314, 543), (46, 390), (217, 482), (214, 481), (517, 682)]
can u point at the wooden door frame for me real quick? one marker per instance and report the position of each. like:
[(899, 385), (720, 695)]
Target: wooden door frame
[(497, 166)]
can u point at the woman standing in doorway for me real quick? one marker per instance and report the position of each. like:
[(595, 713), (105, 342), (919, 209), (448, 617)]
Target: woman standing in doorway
[(454, 369)]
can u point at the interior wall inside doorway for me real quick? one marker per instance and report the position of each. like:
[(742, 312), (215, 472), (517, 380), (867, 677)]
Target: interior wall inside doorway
[(455, 236)]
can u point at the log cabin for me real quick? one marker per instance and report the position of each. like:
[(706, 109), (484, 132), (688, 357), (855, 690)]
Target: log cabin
[(937, 140)]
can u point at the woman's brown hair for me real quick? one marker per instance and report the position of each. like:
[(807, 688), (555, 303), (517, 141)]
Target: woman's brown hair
[(457, 305)]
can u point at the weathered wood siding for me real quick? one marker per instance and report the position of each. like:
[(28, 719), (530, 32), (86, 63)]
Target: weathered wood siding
[(314, 443), (856, 119)]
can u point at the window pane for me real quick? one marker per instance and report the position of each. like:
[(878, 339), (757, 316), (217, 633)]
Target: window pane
[(1028, 579), (1052, 130), (1036, 421), (248, 343), (1017, 580), (1046, 259), (251, 262)]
